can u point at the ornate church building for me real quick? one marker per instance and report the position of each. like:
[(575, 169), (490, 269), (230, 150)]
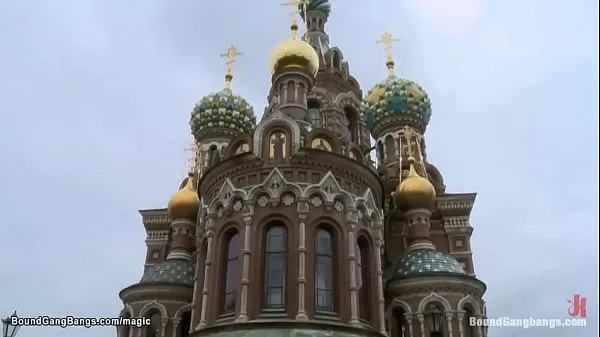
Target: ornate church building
[(285, 227)]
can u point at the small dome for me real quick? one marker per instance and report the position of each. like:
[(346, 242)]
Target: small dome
[(421, 262), (397, 98), (170, 271), (295, 54), (184, 203), (315, 5), (224, 110), (414, 191)]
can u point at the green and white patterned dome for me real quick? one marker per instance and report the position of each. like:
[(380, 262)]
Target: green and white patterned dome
[(179, 272), (397, 99), (222, 110), (423, 262)]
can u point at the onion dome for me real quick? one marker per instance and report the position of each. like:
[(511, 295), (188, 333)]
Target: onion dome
[(399, 99), (184, 203), (294, 53), (175, 271), (414, 191), (224, 110), (396, 100), (421, 262), (315, 5)]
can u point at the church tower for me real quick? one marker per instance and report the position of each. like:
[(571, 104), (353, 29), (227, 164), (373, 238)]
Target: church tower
[(287, 228)]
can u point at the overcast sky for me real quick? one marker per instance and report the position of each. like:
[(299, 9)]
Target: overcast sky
[(95, 98)]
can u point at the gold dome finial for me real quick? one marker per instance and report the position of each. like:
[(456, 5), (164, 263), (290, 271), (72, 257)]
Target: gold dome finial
[(387, 40), (295, 53), (184, 203), (230, 55)]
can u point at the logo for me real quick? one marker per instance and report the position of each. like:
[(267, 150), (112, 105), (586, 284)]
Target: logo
[(578, 306)]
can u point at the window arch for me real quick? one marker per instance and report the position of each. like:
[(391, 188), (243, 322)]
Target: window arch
[(155, 327), (275, 267), (185, 324), (231, 258), (314, 113), (352, 120), (400, 326), (363, 275), (324, 270)]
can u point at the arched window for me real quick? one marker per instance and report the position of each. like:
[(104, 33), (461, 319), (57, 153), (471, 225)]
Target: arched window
[(275, 267), (185, 324), (390, 147), (336, 60), (380, 154), (213, 156), (362, 278), (315, 115), (352, 118), (399, 327), (290, 92), (231, 273), (434, 315), (155, 327), (324, 271)]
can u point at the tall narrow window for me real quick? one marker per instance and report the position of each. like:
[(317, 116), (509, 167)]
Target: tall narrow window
[(362, 278), (155, 327), (324, 271), (185, 324), (231, 274), (275, 267), (314, 112), (399, 328)]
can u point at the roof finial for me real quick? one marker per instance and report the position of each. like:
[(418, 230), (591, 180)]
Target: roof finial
[(192, 160), (297, 4), (387, 40), (230, 55)]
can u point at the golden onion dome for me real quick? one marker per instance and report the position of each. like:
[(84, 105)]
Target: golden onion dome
[(414, 191), (184, 203), (294, 53)]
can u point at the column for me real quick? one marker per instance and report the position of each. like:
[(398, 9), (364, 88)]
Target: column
[(461, 329), (479, 329), (163, 326), (449, 318), (409, 321), (197, 291), (176, 322), (380, 296), (302, 209), (207, 267), (243, 316), (352, 269), (421, 319)]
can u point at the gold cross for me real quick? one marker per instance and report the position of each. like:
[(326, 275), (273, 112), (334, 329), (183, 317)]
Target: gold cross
[(230, 55), (192, 160), (387, 40)]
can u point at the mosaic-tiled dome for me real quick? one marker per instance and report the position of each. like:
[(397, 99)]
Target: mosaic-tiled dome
[(170, 271), (225, 110), (397, 98), (426, 262), (319, 5)]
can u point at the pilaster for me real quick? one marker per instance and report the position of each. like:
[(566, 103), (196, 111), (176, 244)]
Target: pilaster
[(302, 209)]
